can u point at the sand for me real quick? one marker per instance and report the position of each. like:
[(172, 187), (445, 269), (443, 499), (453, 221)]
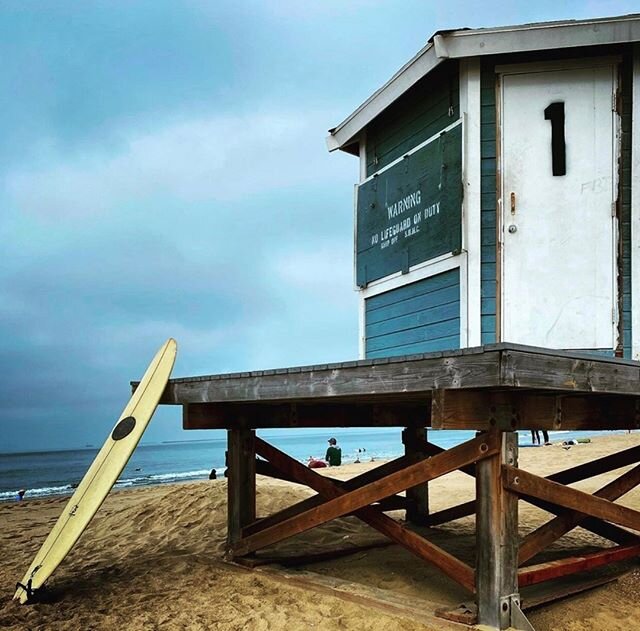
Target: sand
[(153, 559)]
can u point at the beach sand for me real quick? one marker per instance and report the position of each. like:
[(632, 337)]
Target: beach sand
[(153, 559)]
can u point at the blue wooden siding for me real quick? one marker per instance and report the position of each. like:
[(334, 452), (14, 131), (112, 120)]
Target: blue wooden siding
[(417, 318), (423, 111), (488, 202)]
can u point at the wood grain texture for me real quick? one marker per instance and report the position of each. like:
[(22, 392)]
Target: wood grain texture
[(567, 476), (563, 567), (330, 414), (413, 439), (453, 567), (535, 382), (299, 507), (514, 409), (367, 379), (412, 475), (524, 483), (546, 534), (496, 534), (241, 487)]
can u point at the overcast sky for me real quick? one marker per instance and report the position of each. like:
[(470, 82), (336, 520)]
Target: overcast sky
[(163, 172)]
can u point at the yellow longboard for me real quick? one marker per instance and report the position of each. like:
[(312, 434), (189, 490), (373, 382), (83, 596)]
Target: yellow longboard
[(102, 474)]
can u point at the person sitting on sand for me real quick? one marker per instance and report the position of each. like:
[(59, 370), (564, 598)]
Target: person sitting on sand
[(334, 453)]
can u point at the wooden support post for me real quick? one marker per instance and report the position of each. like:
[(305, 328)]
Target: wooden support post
[(496, 537), (413, 438), (241, 494)]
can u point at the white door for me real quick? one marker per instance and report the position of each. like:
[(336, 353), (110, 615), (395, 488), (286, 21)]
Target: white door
[(558, 231)]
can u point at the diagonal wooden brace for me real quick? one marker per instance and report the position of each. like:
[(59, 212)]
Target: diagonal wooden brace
[(545, 535), (423, 471), (525, 483), (472, 451), (348, 485), (568, 476)]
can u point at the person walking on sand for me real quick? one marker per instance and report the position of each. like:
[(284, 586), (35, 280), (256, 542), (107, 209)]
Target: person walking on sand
[(334, 453)]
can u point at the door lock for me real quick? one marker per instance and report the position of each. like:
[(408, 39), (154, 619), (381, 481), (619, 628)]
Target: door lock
[(513, 228)]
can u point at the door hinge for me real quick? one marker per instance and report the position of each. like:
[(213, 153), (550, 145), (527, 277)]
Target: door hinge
[(614, 209)]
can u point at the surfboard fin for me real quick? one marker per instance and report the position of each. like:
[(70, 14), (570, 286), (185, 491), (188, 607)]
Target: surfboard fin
[(27, 588)]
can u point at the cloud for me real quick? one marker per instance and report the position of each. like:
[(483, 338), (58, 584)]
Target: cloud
[(225, 232), (218, 159)]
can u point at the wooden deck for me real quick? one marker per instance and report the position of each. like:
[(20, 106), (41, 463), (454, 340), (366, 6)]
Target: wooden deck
[(492, 389), (500, 385)]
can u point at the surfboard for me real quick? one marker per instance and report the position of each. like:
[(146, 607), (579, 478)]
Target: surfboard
[(102, 474)]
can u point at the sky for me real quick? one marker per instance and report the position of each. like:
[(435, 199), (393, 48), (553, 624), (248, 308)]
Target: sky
[(163, 172)]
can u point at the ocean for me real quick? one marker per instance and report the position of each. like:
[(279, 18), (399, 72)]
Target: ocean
[(49, 473)]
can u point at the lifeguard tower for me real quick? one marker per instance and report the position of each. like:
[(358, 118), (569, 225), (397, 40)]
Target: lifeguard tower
[(495, 201), (497, 207)]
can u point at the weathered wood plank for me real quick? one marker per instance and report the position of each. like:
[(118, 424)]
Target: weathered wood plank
[(563, 567), (546, 534), (369, 378), (241, 487), (492, 366), (484, 409), (524, 483), (496, 536), (330, 414), (371, 598), (291, 560), (528, 368), (450, 514), (412, 475)]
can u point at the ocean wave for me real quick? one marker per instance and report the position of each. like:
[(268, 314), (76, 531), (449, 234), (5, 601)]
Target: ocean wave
[(144, 480), (158, 478), (42, 492)]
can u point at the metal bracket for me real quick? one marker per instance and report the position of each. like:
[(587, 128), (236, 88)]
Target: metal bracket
[(516, 619)]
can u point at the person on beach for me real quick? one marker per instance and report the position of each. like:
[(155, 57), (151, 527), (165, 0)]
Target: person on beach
[(314, 463), (535, 437), (334, 453), (213, 475), (20, 495), (360, 452)]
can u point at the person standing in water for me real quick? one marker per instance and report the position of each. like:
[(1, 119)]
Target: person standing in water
[(334, 453)]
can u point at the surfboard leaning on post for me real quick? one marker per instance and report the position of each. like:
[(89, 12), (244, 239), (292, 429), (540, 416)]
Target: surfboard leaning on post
[(102, 474)]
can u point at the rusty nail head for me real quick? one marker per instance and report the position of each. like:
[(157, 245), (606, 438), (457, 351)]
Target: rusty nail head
[(484, 447)]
